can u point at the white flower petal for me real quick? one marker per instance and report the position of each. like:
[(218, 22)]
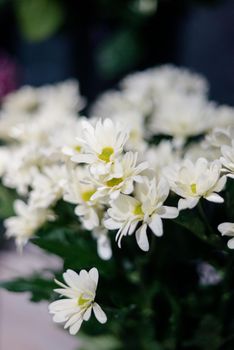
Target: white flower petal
[(142, 239), (99, 313)]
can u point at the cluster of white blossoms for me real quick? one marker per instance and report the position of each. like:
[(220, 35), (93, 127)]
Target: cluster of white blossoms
[(157, 135)]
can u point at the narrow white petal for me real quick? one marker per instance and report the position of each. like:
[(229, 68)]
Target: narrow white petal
[(142, 239), (230, 243), (169, 212), (75, 327), (156, 225), (87, 314), (214, 197), (99, 313), (93, 273)]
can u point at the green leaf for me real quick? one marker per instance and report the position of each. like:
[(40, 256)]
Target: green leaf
[(7, 198), (106, 342), (38, 287), (189, 220), (118, 53), (39, 19), (77, 248)]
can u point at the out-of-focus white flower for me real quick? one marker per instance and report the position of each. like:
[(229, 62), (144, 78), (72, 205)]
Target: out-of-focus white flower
[(145, 208), (224, 116), (48, 186), (227, 159), (101, 145), (25, 161), (4, 159), (114, 103), (28, 220), (165, 79), (79, 192), (195, 180), (219, 137), (182, 116), (197, 150), (227, 229), (80, 293), (123, 173), (160, 156), (23, 101), (103, 242)]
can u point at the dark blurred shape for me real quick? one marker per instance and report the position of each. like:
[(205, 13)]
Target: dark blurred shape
[(8, 75), (206, 44)]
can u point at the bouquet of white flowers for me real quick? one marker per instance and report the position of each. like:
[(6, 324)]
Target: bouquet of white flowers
[(95, 192)]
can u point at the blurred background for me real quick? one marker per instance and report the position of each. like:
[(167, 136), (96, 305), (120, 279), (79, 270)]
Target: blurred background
[(98, 42)]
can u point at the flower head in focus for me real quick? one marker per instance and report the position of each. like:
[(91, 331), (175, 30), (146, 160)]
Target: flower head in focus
[(195, 180), (145, 208), (80, 293), (101, 144)]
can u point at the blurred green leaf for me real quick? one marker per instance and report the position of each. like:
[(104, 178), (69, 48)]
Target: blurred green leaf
[(106, 342), (38, 19), (38, 287), (189, 220), (118, 53), (7, 198)]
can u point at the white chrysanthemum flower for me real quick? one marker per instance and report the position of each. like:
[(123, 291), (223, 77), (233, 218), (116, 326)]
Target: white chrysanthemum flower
[(164, 79), (114, 103), (161, 156), (80, 293), (219, 137), (195, 180), (182, 116), (28, 220), (123, 173), (101, 145), (146, 208), (227, 229), (227, 159), (25, 161), (48, 186), (23, 101), (77, 191)]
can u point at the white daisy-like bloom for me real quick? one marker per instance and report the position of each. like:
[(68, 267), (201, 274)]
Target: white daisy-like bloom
[(145, 208), (101, 145), (160, 156), (182, 116), (25, 161), (227, 159), (77, 191), (26, 100), (165, 79), (134, 123), (195, 180), (227, 229), (219, 137), (28, 220), (64, 96), (80, 293), (123, 173), (48, 186), (131, 101)]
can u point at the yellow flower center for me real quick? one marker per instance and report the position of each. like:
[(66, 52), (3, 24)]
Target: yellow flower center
[(106, 154), (77, 148), (87, 195), (138, 210), (193, 188), (82, 301), (114, 182)]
